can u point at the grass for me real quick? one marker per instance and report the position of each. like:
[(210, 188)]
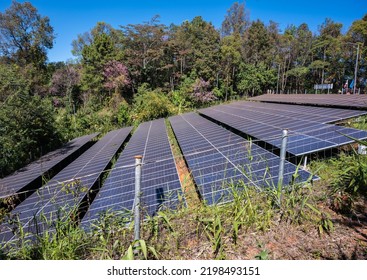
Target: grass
[(209, 232)]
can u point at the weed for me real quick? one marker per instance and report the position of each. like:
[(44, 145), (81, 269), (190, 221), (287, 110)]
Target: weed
[(214, 230), (263, 255), (324, 222), (139, 248)]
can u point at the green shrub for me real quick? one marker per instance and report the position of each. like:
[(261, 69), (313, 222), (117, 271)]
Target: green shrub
[(151, 104), (27, 131)]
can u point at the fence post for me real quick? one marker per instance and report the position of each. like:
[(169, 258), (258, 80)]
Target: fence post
[(282, 158), (137, 197)]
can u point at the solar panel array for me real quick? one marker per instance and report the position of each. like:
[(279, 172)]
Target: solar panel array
[(337, 100), (217, 157), (306, 133), (32, 173), (316, 114), (82, 174), (160, 185)]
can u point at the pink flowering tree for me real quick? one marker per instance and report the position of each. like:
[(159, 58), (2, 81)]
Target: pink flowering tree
[(116, 76), (201, 92), (64, 82)]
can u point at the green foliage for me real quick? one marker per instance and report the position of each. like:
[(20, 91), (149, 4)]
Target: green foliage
[(95, 55), (346, 175), (353, 178), (137, 247), (255, 79), (197, 45), (27, 130), (11, 81), (151, 104), (25, 35), (263, 255), (324, 224), (181, 98), (214, 232)]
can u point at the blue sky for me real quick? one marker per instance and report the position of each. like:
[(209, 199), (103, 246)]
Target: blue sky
[(70, 18)]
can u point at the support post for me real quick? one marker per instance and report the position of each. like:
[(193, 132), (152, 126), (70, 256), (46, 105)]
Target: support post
[(282, 157), (305, 163), (137, 197)]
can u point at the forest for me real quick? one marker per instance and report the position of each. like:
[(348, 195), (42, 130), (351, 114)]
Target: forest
[(138, 72)]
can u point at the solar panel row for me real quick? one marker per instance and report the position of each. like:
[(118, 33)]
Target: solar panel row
[(337, 100), (84, 173), (217, 157), (160, 185), (30, 176), (307, 134), (316, 114)]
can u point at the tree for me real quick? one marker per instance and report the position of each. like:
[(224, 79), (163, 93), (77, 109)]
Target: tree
[(201, 93), (87, 38), (145, 48), (236, 21), (27, 130), (255, 79), (197, 45), (65, 82), (357, 34), (11, 81), (230, 60), (116, 76), (257, 44), (95, 54), (327, 49), (25, 35), (151, 104)]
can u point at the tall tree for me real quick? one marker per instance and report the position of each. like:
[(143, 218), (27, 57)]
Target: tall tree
[(96, 52), (198, 46), (145, 46), (230, 61), (327, 51), (25, 35), (257, 45), (65, 83), (357, 34), (236, 21), (116, 76)]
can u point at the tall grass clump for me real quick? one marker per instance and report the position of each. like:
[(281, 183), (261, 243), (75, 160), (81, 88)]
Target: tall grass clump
[(346, 178)]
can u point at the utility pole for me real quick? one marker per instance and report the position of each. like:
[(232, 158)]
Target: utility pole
[(278, 78), (355, 71)]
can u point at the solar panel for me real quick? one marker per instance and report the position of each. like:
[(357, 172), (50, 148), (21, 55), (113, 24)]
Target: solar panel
[(266, 125), (217, 157), (82, 175), (317, 114), (29, 177), (160, 185), (334, 100)]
